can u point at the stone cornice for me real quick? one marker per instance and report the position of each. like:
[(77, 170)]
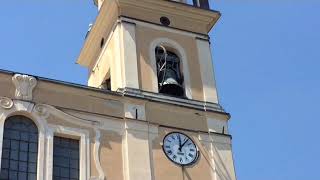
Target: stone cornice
[(132, 93), (188, 103), (181, 9)]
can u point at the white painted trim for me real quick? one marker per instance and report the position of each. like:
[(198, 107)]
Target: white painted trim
[(207, 73), (116, 64), (184, 61), (96, 156), (25, 109), (104, 50), (39, 113), (84, 148), (153, 134), (207, 142), (6, 103), (125, 158), (217, 161), (137, 150), (104, 122), (129, 55), (47, 110), (49, 154), (3, 117)]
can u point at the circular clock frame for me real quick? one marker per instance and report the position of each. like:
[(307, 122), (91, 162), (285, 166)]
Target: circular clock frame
[(183, 165)]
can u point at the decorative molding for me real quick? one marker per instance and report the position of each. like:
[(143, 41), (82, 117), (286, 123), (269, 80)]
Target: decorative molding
[(156, 97), (84, 148), (42, 111), (24, 86), (105, 123), (6, 103), (23, 106), (39, 114), (18, 107), (163, 28), (45, 111), (205, 18), (96, 156), (49, 154)]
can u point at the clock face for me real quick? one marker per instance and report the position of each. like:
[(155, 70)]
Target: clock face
[(180, 149)]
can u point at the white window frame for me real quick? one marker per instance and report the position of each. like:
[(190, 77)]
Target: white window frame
[(41, 130), (39, 114), (82, 135)]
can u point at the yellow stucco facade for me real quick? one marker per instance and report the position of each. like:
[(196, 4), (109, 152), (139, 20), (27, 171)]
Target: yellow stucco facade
[(121, 130)]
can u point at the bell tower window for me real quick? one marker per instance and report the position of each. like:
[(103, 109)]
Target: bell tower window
[(170, 80)]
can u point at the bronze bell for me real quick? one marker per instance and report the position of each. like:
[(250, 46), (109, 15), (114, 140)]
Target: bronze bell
[(169, 75), (170, 84)]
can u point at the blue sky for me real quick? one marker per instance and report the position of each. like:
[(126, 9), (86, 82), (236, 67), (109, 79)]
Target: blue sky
[(266, 57)]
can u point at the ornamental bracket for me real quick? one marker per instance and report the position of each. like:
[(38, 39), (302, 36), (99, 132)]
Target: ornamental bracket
[(24, 86)]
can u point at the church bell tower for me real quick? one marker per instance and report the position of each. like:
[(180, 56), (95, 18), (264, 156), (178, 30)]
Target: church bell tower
[(152, 45), (160, 50)]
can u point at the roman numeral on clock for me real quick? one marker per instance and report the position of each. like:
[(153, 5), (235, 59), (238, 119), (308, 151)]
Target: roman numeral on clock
[(174, 157)]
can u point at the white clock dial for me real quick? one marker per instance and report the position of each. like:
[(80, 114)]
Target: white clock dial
[(180, 149)]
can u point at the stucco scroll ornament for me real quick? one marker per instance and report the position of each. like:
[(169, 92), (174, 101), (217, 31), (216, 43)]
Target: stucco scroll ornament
[(24, 86), (96, 157), (6, 103), (42, 110)]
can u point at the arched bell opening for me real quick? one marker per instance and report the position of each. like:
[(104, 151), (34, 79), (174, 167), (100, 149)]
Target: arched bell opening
[(170, 78)]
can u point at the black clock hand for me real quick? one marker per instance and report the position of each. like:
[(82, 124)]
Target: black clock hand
[(180, 146), (184, 143)]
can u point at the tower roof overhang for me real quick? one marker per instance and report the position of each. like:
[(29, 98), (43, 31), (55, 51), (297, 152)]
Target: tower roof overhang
[(143, 10)]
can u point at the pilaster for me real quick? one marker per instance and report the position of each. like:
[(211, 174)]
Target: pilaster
[(207, 73), (129, 55), (219, 149), (138, 163)]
